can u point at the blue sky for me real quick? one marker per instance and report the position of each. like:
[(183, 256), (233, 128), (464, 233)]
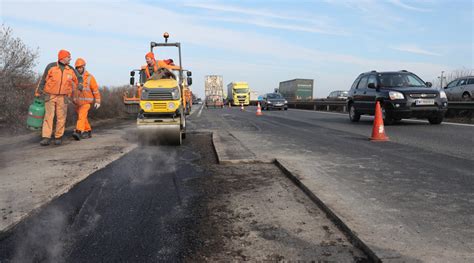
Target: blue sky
[(261, 42)]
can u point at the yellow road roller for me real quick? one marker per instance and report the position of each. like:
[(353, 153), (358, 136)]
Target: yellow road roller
[(161, 118)]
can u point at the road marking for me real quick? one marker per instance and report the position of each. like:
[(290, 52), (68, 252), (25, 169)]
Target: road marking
[(408, 120), (200, 110), (447, 123)]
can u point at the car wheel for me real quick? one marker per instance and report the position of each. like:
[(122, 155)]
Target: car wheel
[(466, 96), (286, 108), (437, 119), (353, 115), (387, 119)]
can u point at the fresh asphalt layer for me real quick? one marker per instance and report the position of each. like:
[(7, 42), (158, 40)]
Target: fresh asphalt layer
[(411, 197), (138, 208)]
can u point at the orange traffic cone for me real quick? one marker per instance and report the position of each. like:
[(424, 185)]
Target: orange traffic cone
[(378, 131), (242, 107), (259, 109)]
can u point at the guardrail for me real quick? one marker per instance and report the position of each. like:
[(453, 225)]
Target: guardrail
[(341, 105), (327, 105)]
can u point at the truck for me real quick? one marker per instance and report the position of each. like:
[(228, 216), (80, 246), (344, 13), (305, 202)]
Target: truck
[(238, 93), (297, 89), (214, 91), (253, 97)]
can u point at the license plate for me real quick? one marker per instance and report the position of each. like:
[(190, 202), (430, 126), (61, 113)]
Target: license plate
[(424, 102)]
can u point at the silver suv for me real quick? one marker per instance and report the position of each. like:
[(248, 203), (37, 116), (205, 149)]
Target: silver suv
[(460, 89)]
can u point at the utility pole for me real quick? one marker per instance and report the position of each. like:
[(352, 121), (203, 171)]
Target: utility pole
[(441, 87)]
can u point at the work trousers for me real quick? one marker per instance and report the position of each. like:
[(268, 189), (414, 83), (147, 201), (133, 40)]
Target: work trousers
[(83, 124), (55, 105)]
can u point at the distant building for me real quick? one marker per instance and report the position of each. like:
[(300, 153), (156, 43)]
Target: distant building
[(297, 89)]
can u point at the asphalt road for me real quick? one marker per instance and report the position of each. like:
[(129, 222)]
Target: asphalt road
[(168, 204), (416, 190)]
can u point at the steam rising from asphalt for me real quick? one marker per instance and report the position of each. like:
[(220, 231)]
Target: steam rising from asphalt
[(42, 241), (153, 162)]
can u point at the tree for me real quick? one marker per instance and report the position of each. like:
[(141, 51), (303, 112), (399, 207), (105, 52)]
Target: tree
[(17, 78)]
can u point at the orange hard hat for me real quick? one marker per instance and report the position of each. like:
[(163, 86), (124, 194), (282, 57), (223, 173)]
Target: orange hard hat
[(63, 54), (150, 55), (80, 62)]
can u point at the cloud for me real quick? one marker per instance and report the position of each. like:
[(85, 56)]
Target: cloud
[(112, 38), (269, 19), (414, 49), (399, 3)]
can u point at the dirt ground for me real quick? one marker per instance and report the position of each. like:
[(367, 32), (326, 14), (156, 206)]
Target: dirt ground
[(254, 212)]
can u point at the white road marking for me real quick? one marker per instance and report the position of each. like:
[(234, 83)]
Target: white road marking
[(200, 110), (408, 120)]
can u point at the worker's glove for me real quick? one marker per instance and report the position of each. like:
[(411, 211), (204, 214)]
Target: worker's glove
[(97, 106)]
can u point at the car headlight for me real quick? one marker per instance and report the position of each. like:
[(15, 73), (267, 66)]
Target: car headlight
[(269, 102), (148, 106), (394, 95), (442, 95), (175, 93), (171, 105), (286, 101)]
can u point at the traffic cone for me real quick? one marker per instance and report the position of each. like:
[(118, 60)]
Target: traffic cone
[(378, 131), (242, 107), (259, 109)]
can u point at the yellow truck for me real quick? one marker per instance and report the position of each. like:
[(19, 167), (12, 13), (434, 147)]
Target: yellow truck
[(238, 93)]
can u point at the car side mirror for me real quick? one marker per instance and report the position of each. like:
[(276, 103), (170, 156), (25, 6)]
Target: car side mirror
[(190, 81), (371, 86), (132, 81), (189, 73), (132, 73), (429, 84)]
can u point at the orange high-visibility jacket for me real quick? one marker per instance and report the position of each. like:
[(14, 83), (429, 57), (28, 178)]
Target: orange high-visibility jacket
[(89, 92), (158, 64), (59, 79), (146, 68)]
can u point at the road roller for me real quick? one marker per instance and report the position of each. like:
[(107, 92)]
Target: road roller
[(161, 118)]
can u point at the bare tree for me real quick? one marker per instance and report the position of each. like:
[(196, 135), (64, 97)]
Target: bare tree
[(17, 78), (458, 73)]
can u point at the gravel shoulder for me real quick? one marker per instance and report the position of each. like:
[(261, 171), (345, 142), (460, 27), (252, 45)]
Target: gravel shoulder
[(254, 212)]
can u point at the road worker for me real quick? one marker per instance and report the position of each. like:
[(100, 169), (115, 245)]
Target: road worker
[(83, 100), (152, 65), (56, 86)]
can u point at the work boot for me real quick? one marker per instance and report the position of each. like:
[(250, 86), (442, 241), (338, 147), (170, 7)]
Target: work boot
[(45, 141), (76, 136), (89, 134), (58, 141), (84, 135)]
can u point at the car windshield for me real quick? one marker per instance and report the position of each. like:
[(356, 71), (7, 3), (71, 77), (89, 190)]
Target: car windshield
[(241, 90), (274, 96), (400, 80), (344, 94)]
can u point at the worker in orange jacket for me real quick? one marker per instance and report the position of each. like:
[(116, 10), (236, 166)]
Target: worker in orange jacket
[(56, 86), (152, 65), (83, 101)]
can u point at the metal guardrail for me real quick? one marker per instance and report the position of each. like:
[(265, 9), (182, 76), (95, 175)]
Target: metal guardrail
[(341, 105), (327, 105), (461, 105)]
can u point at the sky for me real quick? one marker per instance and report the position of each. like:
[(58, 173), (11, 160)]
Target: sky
[(261, 42)]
